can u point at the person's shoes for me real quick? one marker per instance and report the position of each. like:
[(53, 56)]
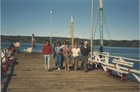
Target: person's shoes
[(58, 68), (49, 70)]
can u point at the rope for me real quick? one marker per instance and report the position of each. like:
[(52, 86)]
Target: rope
[(96, 24), (60, 29), (97, 19), (61, 38), (107, 30), (81, 32), (106, 26), (95, 28)]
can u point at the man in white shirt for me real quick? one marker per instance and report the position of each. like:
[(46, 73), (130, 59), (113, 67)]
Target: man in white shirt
[(75, 54)]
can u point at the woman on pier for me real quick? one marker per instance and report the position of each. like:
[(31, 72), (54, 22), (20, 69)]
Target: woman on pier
[(67, 54), (75, 55), (58, 52), (63, 46)]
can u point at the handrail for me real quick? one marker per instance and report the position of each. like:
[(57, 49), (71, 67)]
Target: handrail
[(104, 61), (102, 53), (124, 58)]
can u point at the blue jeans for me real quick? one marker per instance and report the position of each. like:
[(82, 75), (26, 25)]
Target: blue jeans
[(59, 60), (47, 61)]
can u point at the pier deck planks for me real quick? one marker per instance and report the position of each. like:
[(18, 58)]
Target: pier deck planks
[(30, 76)]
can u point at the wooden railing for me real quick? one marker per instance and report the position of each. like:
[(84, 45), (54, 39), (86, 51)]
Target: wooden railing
[(123, 66)]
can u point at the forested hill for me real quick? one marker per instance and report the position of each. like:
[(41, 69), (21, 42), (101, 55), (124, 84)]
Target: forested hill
[(27, 39)]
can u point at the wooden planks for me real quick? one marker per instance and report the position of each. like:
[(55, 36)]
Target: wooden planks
[(31, 76)]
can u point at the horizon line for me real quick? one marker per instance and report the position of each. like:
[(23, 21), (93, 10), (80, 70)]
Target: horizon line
[(69, 37)]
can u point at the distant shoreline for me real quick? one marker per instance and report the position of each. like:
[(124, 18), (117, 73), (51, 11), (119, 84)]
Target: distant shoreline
[(40, 40), (93, 46)]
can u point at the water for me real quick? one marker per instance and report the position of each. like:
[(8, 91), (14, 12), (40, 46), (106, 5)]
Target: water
[(128, 52), (23, 46)]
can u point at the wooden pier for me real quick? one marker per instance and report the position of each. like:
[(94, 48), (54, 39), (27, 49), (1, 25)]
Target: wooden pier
[(30, 76)]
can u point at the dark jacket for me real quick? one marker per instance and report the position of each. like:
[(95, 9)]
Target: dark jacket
[(85, 51)]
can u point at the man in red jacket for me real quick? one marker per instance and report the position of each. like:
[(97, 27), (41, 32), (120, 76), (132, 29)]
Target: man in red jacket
[(47, 51)]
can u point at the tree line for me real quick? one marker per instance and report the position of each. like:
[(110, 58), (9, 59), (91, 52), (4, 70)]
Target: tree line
[(27, 39)]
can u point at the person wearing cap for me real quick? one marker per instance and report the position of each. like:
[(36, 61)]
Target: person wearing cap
[(85, 49)]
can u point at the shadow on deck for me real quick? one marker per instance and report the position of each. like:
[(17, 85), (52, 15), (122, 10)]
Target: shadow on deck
[(5, 79)]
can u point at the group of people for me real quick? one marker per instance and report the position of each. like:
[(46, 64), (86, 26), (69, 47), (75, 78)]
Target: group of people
[(64, 53), (9, 52)]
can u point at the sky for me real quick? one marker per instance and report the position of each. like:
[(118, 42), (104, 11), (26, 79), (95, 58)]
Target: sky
[(24, 17)]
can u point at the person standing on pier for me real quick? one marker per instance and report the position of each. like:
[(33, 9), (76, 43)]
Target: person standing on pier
[(12, 47), (80, 55), (17, 46), (63, 46), (75, 55), (58, 51), (54, 54), (85, 49), (67, 54), (47, 51)]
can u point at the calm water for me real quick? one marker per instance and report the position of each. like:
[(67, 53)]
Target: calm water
[(128, 52)]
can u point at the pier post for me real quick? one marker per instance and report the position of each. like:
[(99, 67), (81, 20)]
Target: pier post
[(51, 13), (72, 31), (101, 26)]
